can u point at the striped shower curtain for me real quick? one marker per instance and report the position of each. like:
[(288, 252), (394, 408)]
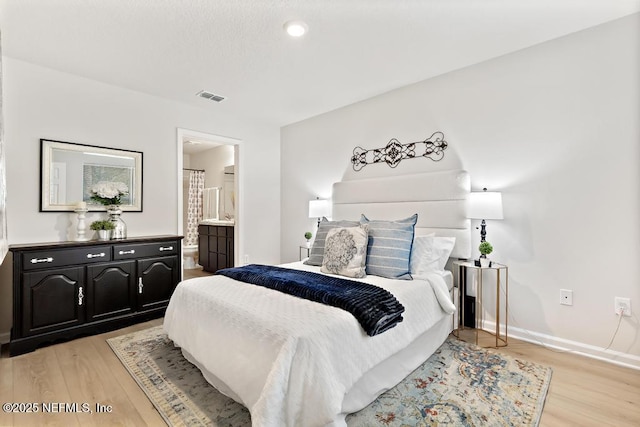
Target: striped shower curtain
[(194, 210)]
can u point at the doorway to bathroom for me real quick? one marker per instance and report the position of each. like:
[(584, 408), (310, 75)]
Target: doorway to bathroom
[(208, 190)]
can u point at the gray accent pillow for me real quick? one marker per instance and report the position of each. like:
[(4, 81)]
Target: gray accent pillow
[(345, 251), (316, 254)]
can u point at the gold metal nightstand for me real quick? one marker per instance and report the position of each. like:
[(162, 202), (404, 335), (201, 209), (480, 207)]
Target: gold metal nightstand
[(501, 272)]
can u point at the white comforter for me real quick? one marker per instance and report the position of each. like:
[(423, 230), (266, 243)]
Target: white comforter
[(288, 360)]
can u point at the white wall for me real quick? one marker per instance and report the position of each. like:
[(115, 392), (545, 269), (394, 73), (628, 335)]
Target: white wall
[(43, 103), (213, 162), (556, 128)]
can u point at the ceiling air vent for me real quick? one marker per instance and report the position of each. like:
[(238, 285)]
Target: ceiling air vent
[(211, 96)]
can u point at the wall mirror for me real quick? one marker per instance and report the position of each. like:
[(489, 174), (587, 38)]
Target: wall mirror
[(69, 170)]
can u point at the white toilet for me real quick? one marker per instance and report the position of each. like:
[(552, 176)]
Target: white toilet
[(189, 257)]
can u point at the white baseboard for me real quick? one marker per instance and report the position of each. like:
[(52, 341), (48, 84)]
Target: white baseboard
[(5, 337), (616, 357)]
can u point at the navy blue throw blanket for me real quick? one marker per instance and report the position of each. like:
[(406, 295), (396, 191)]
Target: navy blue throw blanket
[(375, 308)]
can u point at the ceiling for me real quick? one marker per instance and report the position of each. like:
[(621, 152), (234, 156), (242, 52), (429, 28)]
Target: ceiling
[(355, 49)]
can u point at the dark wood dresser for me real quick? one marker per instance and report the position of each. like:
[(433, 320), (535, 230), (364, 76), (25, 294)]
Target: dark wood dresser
[(68, 289)]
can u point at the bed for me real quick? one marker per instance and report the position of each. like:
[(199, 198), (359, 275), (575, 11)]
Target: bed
[(294, 362)]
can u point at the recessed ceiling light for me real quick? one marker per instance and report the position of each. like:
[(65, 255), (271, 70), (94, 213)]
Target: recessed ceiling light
[(296, 28)]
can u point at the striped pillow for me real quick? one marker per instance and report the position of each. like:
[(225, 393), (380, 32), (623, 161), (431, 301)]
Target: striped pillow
[(389, 248), (316, 255)]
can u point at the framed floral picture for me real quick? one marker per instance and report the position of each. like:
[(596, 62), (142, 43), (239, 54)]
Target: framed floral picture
[(107, 185)]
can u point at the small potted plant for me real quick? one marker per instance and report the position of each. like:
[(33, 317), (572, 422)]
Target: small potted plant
[(308, 236), (485, 249), (103, 227)]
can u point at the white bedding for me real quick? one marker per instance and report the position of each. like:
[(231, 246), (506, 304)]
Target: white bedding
[(291, 362)]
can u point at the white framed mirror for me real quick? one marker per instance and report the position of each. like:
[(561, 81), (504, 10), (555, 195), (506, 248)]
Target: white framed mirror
[(68, 171)]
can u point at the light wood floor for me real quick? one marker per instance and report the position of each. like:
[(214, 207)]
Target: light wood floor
[(583, 392), (194, 272)]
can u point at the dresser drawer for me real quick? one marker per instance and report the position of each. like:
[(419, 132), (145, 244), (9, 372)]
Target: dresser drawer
[(140, 250), (60, 257)]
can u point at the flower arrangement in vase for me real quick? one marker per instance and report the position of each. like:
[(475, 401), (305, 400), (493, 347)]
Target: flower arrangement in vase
[(308, 236), (108, 192), (485, 249)]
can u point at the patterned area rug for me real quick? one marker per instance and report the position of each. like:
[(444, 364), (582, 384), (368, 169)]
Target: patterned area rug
[(459, 385)]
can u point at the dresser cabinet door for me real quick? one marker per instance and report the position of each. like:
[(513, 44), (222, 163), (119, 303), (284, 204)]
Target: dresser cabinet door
[(52, 299), (157, 278), (111, 290)]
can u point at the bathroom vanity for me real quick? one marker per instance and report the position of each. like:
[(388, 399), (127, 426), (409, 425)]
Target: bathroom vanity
[(215, 245)]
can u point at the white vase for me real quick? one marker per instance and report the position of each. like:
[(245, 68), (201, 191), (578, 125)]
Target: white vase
[(104, 234), (485, 262)]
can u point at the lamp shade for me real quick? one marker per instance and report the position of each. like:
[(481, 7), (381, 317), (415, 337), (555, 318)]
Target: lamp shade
[(319, 208), (485, 205)]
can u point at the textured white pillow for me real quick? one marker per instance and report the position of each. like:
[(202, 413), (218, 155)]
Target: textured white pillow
[(430, 253), (345, 251), (317, 250)]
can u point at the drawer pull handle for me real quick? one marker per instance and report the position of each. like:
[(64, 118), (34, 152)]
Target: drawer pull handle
[(80, 296), (140, 285), (39, 260), (166, 248), (132, 251), (100, 255)]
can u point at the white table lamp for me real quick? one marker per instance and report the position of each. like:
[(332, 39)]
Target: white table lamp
[(485, 205), (319, 208)]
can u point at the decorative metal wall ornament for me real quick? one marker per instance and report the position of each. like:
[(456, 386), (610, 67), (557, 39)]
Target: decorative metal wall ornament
[(394, 152)]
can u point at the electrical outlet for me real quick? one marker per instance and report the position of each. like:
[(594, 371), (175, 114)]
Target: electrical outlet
[(623, 305), (566, 297), (246, 259)]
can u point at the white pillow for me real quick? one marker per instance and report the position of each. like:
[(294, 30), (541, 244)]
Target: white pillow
[(430, 253)]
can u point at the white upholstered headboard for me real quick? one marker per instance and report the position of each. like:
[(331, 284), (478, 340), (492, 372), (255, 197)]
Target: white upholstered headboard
[(439, 199)]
